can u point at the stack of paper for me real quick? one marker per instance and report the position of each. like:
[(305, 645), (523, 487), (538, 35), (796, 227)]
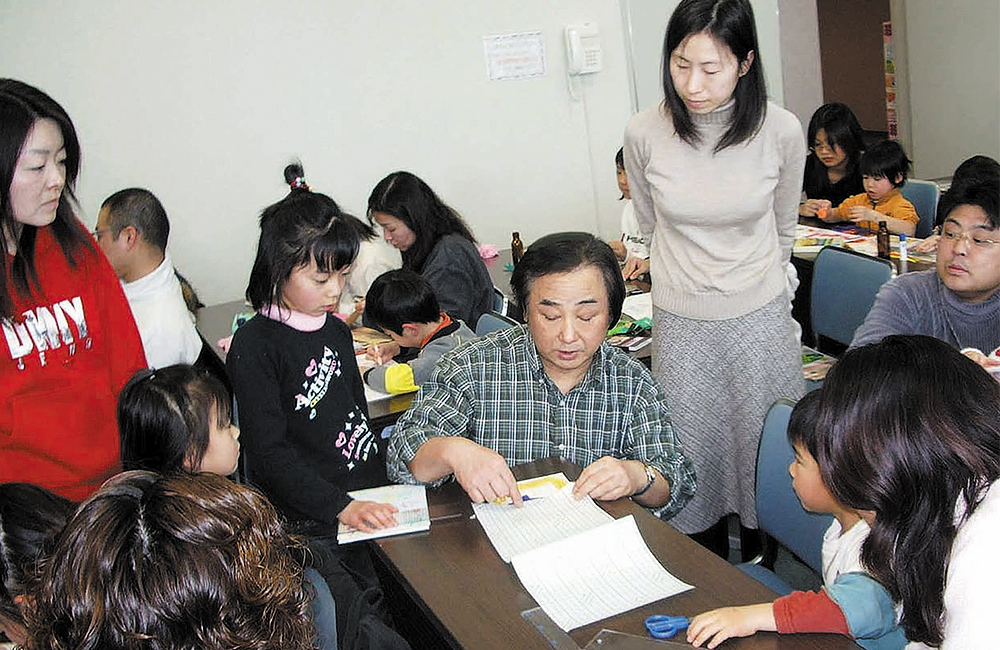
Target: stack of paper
[(578, 563)]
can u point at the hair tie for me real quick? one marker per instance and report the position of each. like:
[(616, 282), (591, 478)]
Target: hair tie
[(299, 184)]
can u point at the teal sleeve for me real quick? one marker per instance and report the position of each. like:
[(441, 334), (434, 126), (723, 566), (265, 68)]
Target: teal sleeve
[(869, 610)]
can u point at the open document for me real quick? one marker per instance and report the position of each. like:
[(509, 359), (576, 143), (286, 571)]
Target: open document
[(578, 565), (411, 504)]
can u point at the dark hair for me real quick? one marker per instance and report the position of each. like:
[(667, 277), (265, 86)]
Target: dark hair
[(842, 130), (139, 208), (975, 182), (30, 517), (163, 418), (730, 23), (802, 423), (303, 226), (404, 196), (910, 427), (886, 159), (398, 297), (165, 562), (564, 252), (21, 106), (620, 158)]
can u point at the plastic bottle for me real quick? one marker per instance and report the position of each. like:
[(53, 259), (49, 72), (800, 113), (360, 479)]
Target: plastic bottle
[(902, 253), (882, 239), (516, 248)]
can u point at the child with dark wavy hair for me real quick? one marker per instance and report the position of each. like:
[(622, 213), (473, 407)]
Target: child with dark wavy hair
[(30, 516), (171, 562), (911, 438)]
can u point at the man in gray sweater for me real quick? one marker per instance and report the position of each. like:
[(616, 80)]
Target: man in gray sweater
[(959, 302)]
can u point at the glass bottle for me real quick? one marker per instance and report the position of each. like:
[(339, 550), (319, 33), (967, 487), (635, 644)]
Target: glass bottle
[(516, 248), (882, 239)]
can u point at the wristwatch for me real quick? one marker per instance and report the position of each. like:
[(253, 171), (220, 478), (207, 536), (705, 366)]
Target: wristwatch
[(650, 479)]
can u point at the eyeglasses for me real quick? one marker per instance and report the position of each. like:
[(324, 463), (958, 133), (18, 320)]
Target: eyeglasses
[(954, 236), (822, 146)]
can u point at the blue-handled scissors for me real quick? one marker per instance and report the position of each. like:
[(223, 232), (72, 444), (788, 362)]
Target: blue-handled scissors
[(665, 627)]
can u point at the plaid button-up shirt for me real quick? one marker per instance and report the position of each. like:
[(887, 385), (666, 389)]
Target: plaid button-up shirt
[(495, 392)]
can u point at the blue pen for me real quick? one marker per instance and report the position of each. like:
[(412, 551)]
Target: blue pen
[(525, 497)]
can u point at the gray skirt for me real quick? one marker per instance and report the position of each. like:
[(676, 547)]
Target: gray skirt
[(720, 377)]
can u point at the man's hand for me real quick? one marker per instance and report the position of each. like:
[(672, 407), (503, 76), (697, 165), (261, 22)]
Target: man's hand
[(482, 472), (634, 267), (368, 516), (609, 478)]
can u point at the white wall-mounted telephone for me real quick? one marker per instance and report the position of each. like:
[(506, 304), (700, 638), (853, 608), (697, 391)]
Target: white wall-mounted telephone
[(583, 48)]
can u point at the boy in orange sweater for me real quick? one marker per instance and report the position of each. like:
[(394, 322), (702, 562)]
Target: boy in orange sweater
[(884, 167)]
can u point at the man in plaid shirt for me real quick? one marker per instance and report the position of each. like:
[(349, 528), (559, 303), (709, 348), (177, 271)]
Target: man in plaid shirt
[(548, 388)]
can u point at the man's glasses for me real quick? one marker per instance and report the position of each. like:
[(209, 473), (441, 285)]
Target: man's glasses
[(955, 235)]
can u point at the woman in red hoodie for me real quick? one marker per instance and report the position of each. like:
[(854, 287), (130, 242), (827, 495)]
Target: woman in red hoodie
[(69, 333)]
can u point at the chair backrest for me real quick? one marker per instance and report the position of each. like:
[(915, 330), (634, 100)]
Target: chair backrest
[(500, 302), (779, 512), (844, 285), (924, 196), (492, 321)]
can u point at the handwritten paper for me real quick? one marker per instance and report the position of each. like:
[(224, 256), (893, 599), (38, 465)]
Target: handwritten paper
[(595, 574), (537, 522)]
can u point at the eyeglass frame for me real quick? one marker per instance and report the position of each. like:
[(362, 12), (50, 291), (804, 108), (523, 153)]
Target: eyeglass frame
[(956, 237), (832, 148)]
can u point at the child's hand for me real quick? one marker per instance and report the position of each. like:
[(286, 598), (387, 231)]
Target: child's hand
[(359, 309), (862, 213), (619, 248), (368, 516), (718, 625), (928, 245), (382, 352)]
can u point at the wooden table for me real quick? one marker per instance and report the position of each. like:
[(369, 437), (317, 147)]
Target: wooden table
[(216, 322), (471, 599)]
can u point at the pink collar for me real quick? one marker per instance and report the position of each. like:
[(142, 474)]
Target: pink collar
[(294, 319)]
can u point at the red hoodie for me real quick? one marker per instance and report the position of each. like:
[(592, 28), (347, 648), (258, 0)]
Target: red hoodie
[(72, 346)]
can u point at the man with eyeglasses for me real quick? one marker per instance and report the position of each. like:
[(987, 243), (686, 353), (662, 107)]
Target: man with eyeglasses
[(959, 302)]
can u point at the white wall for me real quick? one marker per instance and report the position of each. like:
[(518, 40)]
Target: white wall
[(952, 78), (205, 102)]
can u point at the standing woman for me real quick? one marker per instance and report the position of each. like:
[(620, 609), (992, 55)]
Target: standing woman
[(69, 333), (716, 175), (435, 242), (833, 168)]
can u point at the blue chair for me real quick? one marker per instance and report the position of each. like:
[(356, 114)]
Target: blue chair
[(492, 321), (924, 196), (844, 285), (779, 513), (500, 301)]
